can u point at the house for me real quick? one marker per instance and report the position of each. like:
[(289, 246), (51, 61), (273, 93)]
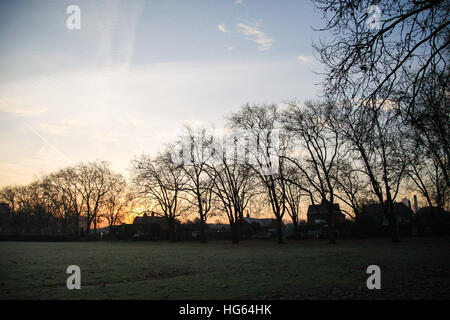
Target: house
[(5, 217), (429, 211), (318, 214), (258, 227), (429, 220), (150, 227), (4, 208), (82, 222), (265, 222), (218, 227), (152, 219), (374, 212)]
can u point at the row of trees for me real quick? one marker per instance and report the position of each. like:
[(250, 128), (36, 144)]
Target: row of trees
[(322, 153), (89, 190), (382, 128), (275, 157), (386, 65)]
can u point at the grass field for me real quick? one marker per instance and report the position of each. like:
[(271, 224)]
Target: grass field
[(416, 268)]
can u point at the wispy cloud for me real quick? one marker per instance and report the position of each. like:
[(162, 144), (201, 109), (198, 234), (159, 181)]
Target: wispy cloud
[(131, 121), (240, 2), (305, 59), (222, 27), (74, 122), (116, 23), (53, 129), (253, 33), (19, 107)]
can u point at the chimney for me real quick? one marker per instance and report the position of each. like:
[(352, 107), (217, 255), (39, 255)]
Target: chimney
[(248, 214), (153, 214), (416, 207), (406, 202)]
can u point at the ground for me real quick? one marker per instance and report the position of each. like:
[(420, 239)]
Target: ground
[(416, 268)]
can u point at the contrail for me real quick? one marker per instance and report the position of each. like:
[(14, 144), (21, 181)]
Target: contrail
[(47, 142)]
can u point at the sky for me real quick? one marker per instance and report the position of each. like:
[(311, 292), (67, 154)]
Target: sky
[(126, 81)]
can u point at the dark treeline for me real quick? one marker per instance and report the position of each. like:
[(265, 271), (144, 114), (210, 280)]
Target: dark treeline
[(380, 131), (72, 201)]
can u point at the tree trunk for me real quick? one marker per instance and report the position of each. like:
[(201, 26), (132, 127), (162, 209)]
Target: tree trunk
[(39, 222), (235, 232), (280, 230), (240, 230), (110, 233), (77, 225), (394, 228), (88, 225), (171, 225), (331, 238), (435, 226), (64, 226), (296, 230), (202, 231)]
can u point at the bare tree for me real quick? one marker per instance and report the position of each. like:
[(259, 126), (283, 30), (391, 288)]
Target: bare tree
[(119, 201), (66, 180), (31, 211), (57, 199), (234, 182), (13, 196), (196, 152), (294, 196), (352, 187), (383, 48), (93, 182), (260, 126), (160, 181), (8, 194), (427, 125), (372, 135), (426, 176), (319, 152), (62, 193)]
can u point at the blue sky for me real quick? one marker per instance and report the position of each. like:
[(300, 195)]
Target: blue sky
[(136, 71)]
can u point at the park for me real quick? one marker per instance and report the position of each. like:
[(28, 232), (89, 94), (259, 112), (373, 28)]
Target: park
[(234, 150)]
